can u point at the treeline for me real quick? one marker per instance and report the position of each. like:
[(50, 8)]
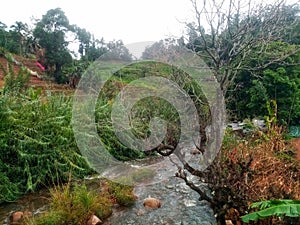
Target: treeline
[(49, 42), (254, 52)]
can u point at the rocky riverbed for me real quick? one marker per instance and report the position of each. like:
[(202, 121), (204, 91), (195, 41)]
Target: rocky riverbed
[(179, 204)]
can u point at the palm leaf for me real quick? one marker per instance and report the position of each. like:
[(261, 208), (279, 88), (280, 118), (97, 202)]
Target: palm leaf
[(290, 208)]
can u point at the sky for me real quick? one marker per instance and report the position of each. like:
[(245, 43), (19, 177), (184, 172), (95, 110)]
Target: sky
[(131, 21), (127, 20)]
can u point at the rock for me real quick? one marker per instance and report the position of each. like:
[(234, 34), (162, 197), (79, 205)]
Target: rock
[(228, 222), (173, 209), (16, 218), (94, 220), (151, 203)]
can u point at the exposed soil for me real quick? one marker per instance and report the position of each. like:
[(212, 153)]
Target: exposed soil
[(34, 81)]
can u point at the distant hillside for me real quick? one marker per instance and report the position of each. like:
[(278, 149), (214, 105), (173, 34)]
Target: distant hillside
[(38, 77)]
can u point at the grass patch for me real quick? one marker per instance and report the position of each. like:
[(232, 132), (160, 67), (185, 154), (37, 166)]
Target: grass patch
[(76, 203)]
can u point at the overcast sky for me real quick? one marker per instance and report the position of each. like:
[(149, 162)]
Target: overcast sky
[(128, 20)]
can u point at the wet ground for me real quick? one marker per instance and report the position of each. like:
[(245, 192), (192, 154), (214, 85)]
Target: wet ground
[(180, 204)]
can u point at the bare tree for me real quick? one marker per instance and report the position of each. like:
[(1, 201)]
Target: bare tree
[(225, 33)]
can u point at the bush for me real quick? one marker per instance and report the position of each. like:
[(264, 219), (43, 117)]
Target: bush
[(15, 83), (74, 206), (122, 193), (147, 108), (259, 167), (37, 145)]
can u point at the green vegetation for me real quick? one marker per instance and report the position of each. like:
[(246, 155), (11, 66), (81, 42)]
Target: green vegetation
[(279, 82), (14, 83), (146, 108), (254, 54), (75, 204), (37, 144), (280, 208)]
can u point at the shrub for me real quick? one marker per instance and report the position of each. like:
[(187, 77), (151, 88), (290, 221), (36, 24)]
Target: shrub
[(147, 108), (259, 167), (15, 83), (74, 206), (37, 145), (122, 193), (76, 203)]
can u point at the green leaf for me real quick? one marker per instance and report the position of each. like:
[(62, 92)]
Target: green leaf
[(290, 208)]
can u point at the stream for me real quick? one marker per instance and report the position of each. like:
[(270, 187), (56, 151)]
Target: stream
[(179, 204), (36, 202)]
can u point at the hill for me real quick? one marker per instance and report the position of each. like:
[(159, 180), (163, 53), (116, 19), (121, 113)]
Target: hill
[(38, 78)]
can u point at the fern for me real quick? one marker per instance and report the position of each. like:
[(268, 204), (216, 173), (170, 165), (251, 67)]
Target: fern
[(285, 207)]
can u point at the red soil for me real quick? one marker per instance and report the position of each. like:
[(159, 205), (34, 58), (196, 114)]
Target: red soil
[(34, 80)]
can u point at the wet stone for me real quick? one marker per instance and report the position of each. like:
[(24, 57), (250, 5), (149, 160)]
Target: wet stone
[(179, 206)]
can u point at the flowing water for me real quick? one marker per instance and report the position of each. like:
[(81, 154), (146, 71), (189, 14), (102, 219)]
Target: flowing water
[(180, 204), (33, 202)]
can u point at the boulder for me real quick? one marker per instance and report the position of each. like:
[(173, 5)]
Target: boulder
[(16, 218), (151, 203), (94, 220)]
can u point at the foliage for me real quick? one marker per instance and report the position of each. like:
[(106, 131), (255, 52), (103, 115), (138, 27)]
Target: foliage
[(72, 206), (279, 81), (36, 143), (289, 208), (146, 108), (76, 203), (14, 83), (226, 36), (51, 32), (14, 40), (122, 193), (253, 168)]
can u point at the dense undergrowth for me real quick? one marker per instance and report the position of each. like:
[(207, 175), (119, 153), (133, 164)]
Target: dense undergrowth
[(38, 148), (253, 168), (37, 143), (75, 203)]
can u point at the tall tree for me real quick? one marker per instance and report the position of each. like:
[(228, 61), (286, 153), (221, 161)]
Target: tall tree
[(3, 34), (225, 34), (84, 37), (21, 31), (51, 32)]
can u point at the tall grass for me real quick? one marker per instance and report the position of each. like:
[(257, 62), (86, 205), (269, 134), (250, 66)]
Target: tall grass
[(37, 145), (147, 108)]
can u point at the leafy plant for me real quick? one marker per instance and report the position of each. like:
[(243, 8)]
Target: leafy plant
[(147, 108), (37, 145), (74, 205), (289, 208), (15, 83), (122, 193)]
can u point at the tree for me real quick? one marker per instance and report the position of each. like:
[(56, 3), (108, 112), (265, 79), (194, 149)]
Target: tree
[(21, 31), (225, 34), (280, 82), (3, 35), (117, 51), (96, 49), (51, 32), (84, 38)]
